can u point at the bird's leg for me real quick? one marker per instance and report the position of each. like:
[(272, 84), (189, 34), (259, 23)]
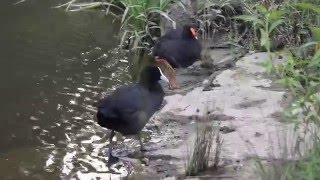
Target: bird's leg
[(110, 142), (141, 143), (112, 159), (172, 74)]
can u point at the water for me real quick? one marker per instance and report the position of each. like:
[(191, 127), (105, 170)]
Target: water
[(54, 66)]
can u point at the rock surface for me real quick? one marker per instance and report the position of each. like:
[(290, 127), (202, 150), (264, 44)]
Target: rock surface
[(244, 103)]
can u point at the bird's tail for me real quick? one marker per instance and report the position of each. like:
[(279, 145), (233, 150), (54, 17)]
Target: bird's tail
[(106, 117), (100, 118)]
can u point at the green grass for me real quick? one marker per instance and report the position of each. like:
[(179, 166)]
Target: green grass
[(307, 168), (286, 23), (207, 139), (304, 168), (206, 148), (140, 25)]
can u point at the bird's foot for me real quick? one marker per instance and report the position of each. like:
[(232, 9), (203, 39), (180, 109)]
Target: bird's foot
[(112, 160)]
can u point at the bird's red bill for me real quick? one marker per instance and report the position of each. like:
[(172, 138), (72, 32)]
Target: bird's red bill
[(194, 32)]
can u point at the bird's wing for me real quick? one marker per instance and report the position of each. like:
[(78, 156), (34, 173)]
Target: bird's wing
[(173, 34), (131, 99)]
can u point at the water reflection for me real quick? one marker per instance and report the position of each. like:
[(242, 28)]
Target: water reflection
[(82, 148), (54, 66)]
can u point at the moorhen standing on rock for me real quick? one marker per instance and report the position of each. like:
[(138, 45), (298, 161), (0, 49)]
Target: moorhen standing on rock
[(128, 109), (177, 48)]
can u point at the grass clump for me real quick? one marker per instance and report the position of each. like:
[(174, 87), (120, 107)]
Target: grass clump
[(140, 21), (306, 168), (199, 161)]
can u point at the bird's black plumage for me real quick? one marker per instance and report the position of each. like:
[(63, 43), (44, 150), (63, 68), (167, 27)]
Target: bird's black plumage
[(128, 109), (179, 47)]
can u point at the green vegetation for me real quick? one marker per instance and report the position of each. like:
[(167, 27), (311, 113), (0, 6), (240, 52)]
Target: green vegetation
[(306, 168), (140, 21), (278, 25), (296, 24), (266, 20)]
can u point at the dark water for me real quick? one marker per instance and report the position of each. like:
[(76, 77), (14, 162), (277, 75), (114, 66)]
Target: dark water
[(54, 66)]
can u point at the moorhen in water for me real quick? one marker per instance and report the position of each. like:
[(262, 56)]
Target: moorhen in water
[(177, 48), (128, 109)]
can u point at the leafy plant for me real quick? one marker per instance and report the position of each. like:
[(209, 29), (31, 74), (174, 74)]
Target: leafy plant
[(139, 19), (301, 76), (299, 72), (266, 20)]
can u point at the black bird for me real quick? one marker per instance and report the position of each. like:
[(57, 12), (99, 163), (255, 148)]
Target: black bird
[(176, 34), (128, 109), (178, 48)]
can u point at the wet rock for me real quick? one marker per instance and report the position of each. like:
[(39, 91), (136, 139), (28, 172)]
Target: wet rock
[(181, 15), (145, 161), (226, 62), (207, 64), (257, 134), (205, 82), (155, 140), (151, 147), (218, 117), (226, 129), (122, 152), (247, 104), (130, 160), (210, 86), (169, 178)]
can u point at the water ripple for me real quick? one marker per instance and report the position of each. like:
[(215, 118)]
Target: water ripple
[(81, 152)]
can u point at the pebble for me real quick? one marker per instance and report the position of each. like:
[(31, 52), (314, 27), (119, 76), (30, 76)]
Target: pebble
[(145, 161), (226, 129)]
